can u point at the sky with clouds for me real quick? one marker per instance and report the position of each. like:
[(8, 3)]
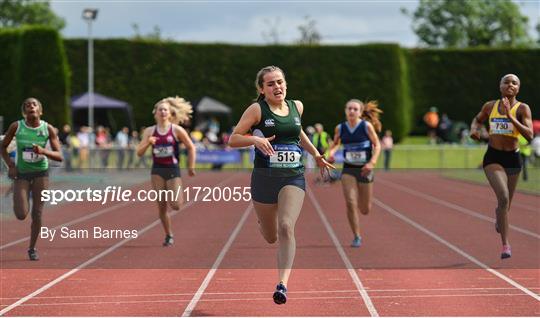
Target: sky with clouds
[(250, 22)]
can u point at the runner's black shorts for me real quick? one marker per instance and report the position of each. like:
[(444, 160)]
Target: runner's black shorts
[(356, 171), (167, 172), (29, 176), (509, 160), (265, 189)]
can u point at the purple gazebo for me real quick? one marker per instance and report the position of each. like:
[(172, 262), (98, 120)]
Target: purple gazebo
[(102, 107)]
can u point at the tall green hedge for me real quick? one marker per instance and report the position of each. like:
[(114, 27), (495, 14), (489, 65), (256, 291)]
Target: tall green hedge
[(34, 64), (10, 76), (406, 82), (458, 82), (322, 77)]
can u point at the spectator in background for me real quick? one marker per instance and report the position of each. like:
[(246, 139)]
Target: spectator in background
[(310, 131), (103, 144), (122, 142), (84, 146), (387, 144), (142, 158), (196, 135), (444, 128), (132, 145), (321, 140), (536, 126), (225, 139), (75, 145), (431, 118), (310, 161), (64, 137), (212, 137), (535, 145), (525, 153), (213, 126)]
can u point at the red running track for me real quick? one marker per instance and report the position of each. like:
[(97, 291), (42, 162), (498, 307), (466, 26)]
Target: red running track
[(428, 251)]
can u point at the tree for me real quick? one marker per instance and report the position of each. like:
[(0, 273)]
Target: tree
[(309, 35), (154, 35), (24, 12), (538, 31), (466, 23), (271, 33)]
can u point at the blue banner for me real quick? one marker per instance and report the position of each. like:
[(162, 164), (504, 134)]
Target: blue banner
[(219, 156)]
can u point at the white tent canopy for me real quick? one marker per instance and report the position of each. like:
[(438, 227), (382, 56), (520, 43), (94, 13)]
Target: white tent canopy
[(208, 106)]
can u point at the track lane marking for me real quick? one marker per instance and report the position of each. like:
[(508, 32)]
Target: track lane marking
[(454, 206), (352, 271), (455, 249), (197, 297)]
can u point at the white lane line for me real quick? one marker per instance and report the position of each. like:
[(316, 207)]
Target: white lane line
[(454, 207), (337, 291), (483, 197), (265, 299), (93, 259), (456, 249), (197, 297), (352, 272)]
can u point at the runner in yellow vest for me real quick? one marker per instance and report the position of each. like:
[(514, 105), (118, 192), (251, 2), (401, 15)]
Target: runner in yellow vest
[(508, 118)]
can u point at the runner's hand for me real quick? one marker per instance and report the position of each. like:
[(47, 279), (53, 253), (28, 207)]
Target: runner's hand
[(37, 149), (191, 172), (12, 172), (366, 169), (506, 105), (264, 145), (152, 140), (324, 165), (475, 135)]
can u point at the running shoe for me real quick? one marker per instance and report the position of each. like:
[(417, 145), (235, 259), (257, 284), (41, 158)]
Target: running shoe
[(506, 252), (168, 240), (33, 255), (280, 295), (356, 242)]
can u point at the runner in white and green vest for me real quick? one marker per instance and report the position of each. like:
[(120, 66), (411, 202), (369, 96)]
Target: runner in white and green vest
[(30, 170)]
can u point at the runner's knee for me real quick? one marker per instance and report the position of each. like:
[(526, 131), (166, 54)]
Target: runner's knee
[(366, 209), (285, 230), (503, 202), (270, 238), (20, 215), (175, 206), (36, 214), (20, 211)]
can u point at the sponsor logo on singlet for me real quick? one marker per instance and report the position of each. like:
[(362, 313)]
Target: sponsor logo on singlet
[(269, 123)]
